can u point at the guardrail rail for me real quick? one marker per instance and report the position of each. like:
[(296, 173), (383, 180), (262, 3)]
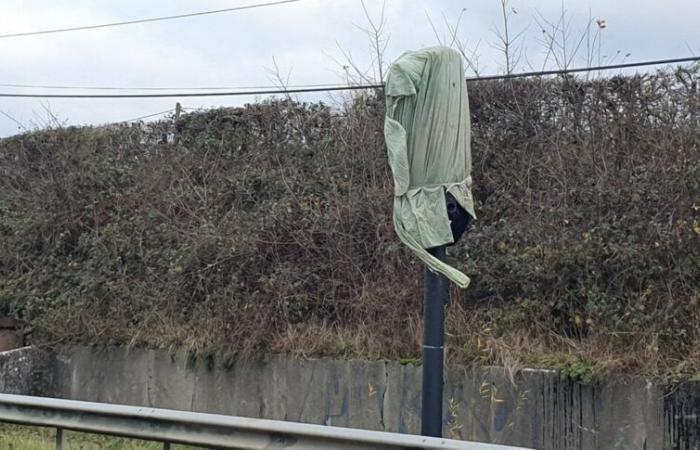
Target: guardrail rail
[(209, 430)]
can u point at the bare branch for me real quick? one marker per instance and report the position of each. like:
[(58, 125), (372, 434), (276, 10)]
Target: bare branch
[(432, 25), (19, 124)]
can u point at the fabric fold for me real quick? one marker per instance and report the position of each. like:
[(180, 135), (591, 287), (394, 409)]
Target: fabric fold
[(427, 132)]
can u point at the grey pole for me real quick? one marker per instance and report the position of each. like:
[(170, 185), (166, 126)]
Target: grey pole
[(436, 295)]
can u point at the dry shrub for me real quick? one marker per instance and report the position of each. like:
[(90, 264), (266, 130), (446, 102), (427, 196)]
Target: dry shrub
[(267, 229)]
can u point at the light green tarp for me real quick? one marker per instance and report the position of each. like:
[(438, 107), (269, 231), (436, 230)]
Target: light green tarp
[(428, 134)]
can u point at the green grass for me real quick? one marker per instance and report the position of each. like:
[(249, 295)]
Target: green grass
[(13, 437)]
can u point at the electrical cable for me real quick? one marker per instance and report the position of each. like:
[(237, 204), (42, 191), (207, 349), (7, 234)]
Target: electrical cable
[(152, 19), (161, 88), (348, 87), (148, 116)]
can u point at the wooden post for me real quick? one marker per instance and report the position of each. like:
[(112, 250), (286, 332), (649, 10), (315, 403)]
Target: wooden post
[(178, 111)]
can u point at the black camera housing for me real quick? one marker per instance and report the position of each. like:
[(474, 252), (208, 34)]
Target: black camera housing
[(460, 220)]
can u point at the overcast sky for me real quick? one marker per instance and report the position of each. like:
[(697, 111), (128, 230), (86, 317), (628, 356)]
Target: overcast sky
[(237, 48)]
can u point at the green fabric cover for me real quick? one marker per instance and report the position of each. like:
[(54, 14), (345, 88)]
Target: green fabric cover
[(428, 134)]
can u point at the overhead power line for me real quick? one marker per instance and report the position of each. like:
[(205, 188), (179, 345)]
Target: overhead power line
[(335, 85), (657, 62), (149, 115), (351, 87), (162, 88), (152, 19)]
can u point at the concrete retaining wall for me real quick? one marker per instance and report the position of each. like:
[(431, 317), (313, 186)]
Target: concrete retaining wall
[(26, 371), (540, 409)]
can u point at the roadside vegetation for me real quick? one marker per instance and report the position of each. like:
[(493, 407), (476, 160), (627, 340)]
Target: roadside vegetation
[(242, 232)]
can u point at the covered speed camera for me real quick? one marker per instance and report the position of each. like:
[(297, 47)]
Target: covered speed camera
[(428, 134)]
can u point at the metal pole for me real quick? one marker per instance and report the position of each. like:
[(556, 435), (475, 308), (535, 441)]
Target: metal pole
[(60, 439), (435, 297)]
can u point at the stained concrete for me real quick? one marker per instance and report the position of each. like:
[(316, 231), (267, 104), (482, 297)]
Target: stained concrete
[(26, 371), (539, 409)]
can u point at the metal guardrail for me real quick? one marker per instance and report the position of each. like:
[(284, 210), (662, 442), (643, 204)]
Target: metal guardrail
[(209, 430)]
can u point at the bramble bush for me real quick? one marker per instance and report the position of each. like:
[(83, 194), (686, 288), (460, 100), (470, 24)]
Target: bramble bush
[(267, 228)]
